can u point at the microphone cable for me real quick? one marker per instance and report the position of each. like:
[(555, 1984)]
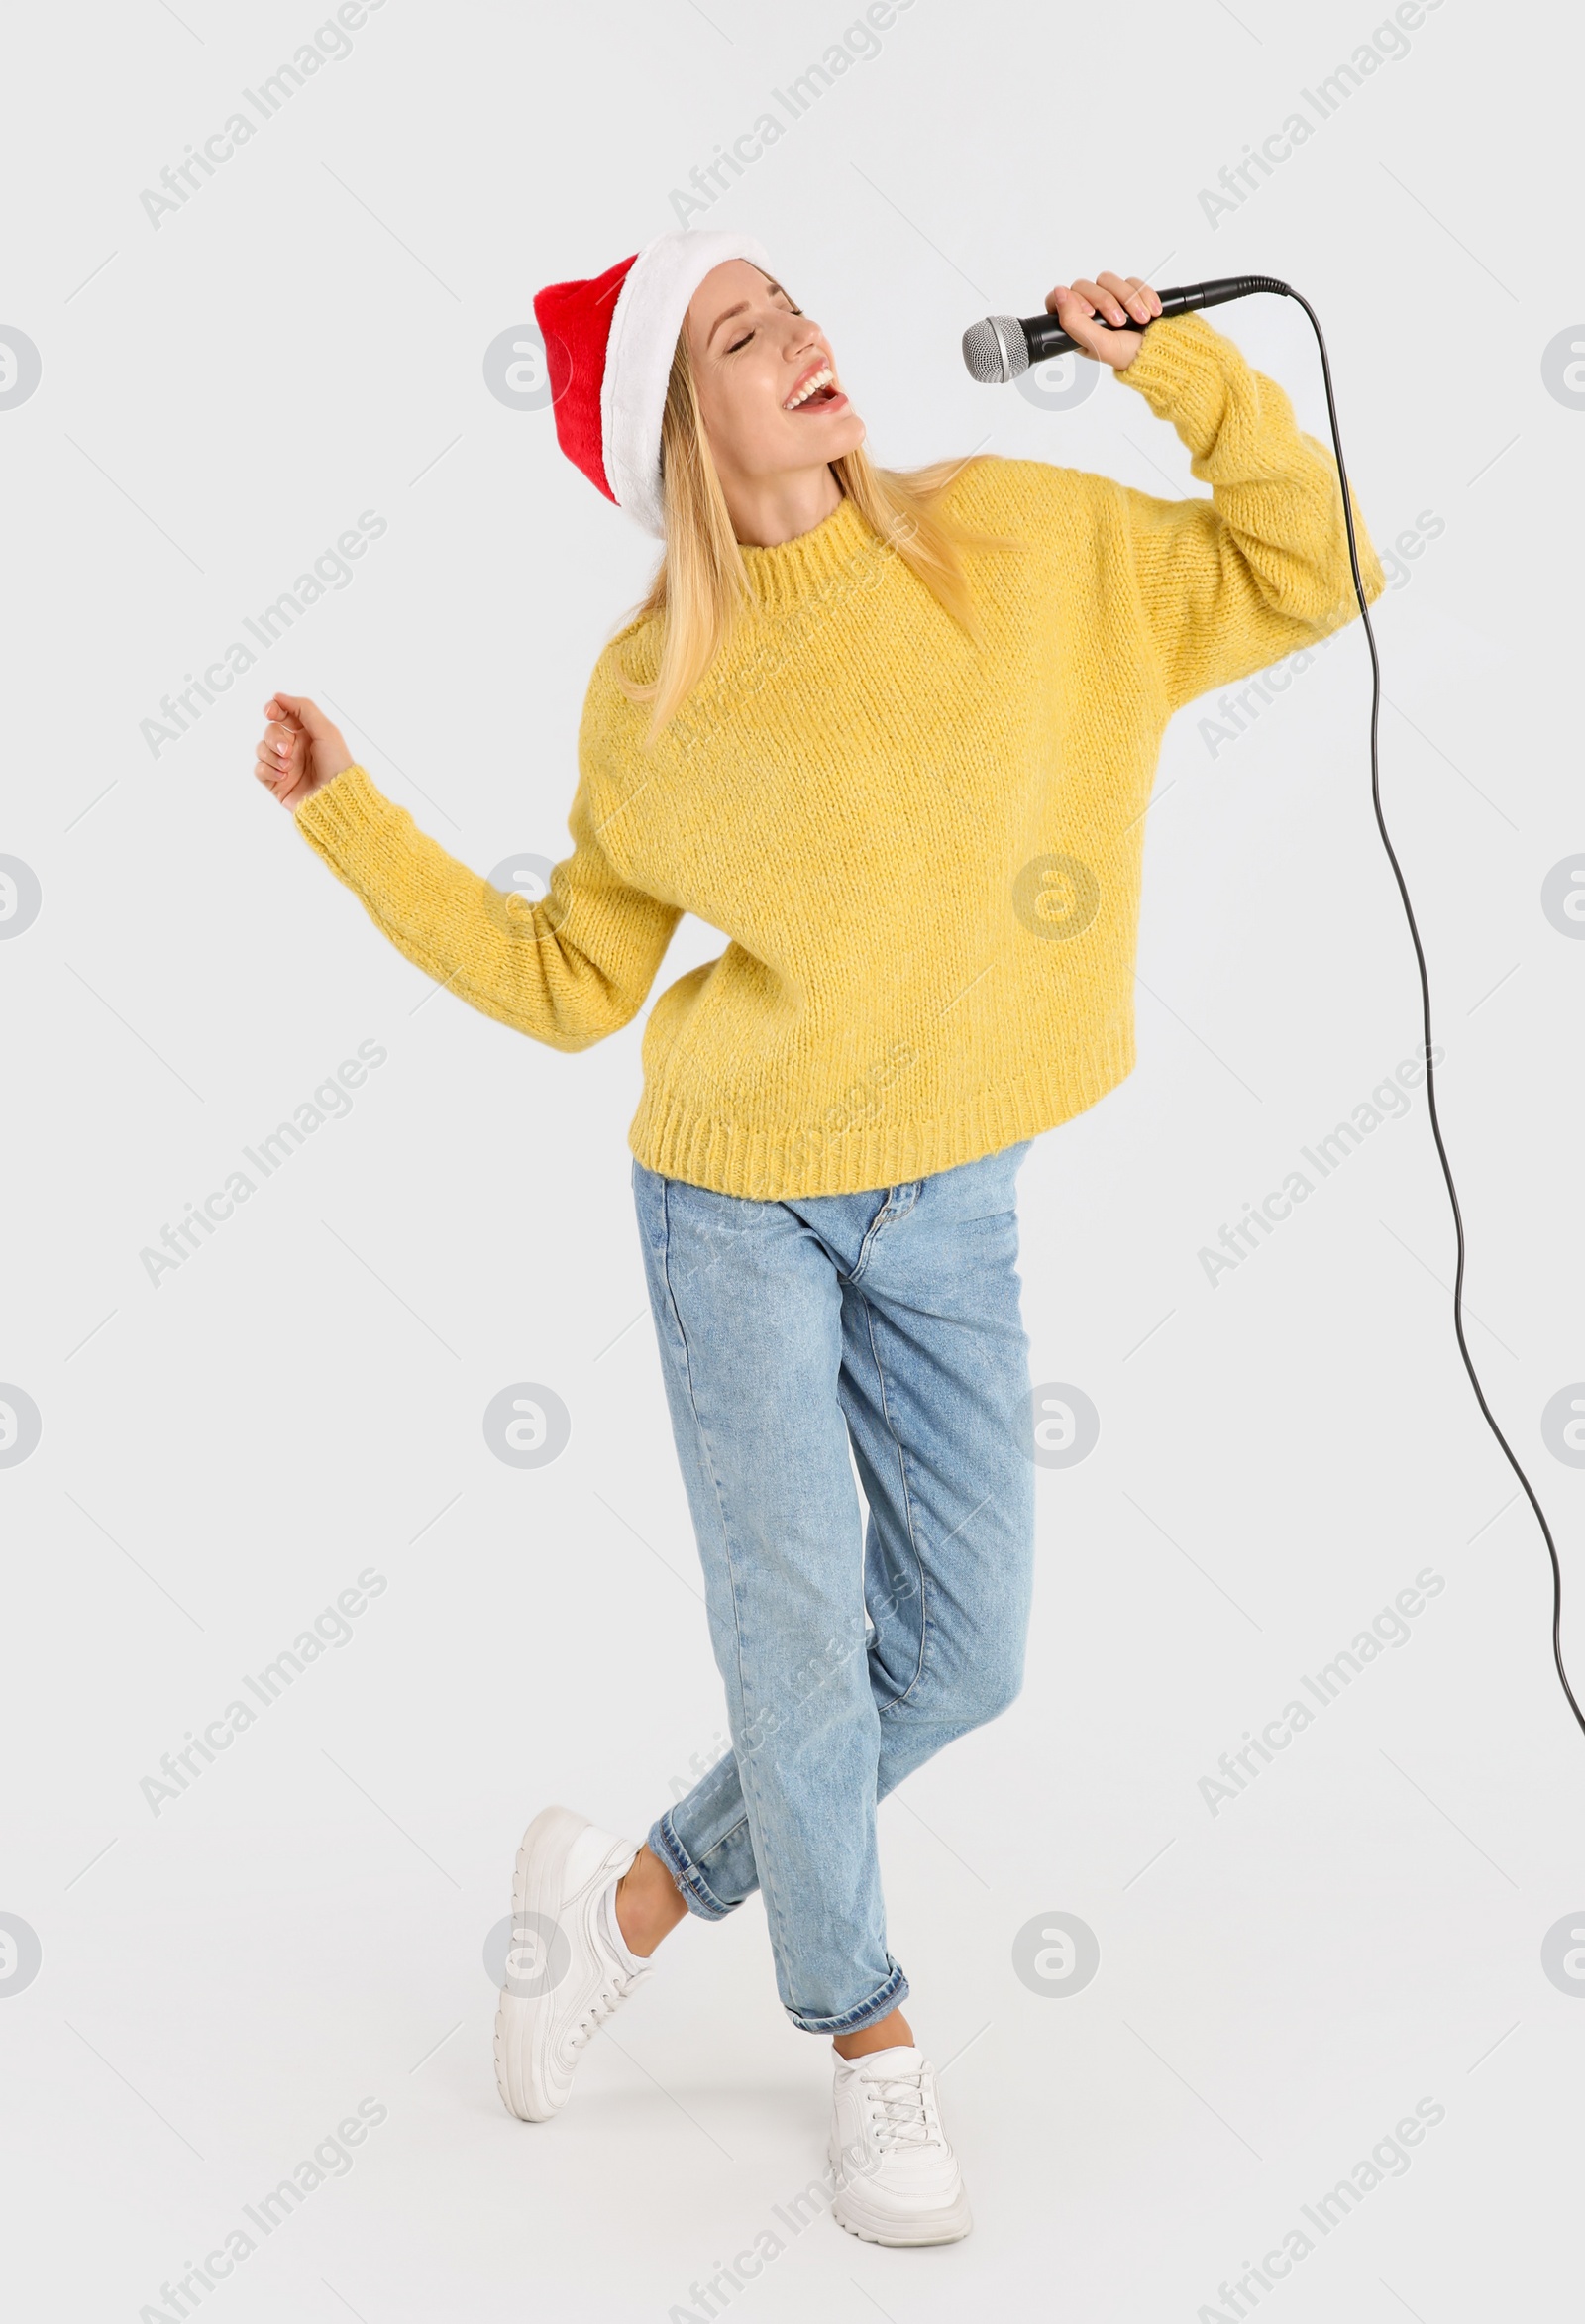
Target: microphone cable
[(1286, 292), (1002, 347)]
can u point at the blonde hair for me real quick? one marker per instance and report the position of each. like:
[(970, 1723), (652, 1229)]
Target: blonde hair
[(701, 582)]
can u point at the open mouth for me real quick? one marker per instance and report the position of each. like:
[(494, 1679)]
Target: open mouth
[(819, 392)]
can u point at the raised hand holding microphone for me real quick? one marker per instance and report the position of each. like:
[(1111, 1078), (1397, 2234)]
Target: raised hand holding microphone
[(1002, 347), (1115, 300)]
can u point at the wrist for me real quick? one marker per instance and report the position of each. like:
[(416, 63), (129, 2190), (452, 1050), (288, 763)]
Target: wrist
[(318, 791)]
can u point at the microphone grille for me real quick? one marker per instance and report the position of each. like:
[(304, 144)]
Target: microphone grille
[(996, 350)]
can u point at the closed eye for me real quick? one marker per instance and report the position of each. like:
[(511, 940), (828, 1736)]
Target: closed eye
[(748, 335)]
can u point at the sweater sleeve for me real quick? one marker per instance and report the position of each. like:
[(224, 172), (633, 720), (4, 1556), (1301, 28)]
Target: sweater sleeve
[(1233, 583), (568, 969)]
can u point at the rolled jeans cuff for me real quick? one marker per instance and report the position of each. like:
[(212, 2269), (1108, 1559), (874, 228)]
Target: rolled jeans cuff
[(689, 1882), (887, 1998)]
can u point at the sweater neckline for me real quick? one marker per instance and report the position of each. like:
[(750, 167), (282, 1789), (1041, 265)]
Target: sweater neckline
[(794, 570)]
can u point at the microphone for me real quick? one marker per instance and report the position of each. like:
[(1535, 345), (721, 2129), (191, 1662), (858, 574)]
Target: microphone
[(1002, 347)]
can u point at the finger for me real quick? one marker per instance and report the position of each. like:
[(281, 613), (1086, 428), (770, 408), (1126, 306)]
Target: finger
[(1150, 295), (1111, 291), (292, 793), (1134, 296), (275, 708), (279, 788), (282, 779), (1116, 296), (1073, 310), (1078, 318), (306, 715), (270, 755)]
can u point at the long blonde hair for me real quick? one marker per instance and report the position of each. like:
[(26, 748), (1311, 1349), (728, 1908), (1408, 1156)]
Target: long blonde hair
[(701, 582)]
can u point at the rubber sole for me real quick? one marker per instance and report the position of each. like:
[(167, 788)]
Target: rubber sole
[(942, 2227), (537, 1889)]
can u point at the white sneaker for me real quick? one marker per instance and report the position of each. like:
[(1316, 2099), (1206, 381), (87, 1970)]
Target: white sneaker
[(896, 2179), (568, 1968)]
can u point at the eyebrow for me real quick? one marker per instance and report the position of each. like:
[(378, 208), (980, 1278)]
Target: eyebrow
[(742, 308)]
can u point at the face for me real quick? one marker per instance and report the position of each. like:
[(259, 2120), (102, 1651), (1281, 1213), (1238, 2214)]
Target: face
[(765, 376)]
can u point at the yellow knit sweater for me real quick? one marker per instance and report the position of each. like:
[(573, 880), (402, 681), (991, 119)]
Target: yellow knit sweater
[(926, 853)]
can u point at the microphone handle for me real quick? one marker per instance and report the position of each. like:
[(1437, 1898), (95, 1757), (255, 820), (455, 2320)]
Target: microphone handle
[(1045, 336)]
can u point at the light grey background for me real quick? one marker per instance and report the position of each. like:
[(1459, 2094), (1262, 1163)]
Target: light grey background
[(221, 396)]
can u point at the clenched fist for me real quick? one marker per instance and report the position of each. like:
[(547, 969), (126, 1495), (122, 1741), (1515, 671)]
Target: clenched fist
[(300, 750), (1118, 300)]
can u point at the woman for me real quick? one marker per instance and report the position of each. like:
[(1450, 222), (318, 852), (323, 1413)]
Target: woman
[(896, 736)]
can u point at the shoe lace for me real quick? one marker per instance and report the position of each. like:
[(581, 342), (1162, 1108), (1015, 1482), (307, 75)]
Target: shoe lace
[(614, 1989), (901, 2111)]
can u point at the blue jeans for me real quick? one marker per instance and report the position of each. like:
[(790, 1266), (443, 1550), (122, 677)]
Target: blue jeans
[(788, 1330)]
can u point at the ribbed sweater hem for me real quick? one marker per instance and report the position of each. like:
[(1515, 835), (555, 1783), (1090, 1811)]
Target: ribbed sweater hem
[(671, 1135)]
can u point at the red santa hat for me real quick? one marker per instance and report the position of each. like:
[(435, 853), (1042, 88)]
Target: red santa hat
[(608, 345)]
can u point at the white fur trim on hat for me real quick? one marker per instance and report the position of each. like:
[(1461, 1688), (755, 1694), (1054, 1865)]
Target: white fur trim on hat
[(649, 307)]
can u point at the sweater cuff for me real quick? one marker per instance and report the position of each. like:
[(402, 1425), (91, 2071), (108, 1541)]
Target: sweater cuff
[(348, 805), (1179, 370)]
